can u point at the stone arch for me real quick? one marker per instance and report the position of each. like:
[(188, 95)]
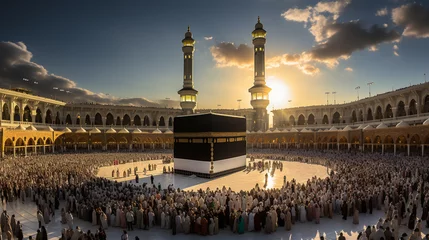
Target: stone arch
[(161, 121), (400, 111), (38, 116), (170, 121), (378, 113), (118, 121), (40, 142), (415, 144), (137, 120), (354, 117), (87, 120), (146, 121), (16, 114), (360, 116), (57, 119), (292, 120), (388, 144), (5, 115), (310, 119), (19, 142), (369, 116), (426, 104), (336, 118), (27, 114), (126, 121), (78, 119), (48, 118), (68, 119), (154, 123), (30, 142), (98, 120), (301, 120), (109, 120), (325, 119), (377, 140), (412, 110), (388, 113), (401, 140)]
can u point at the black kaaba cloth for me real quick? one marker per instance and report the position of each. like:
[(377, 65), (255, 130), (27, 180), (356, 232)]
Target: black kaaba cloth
[(209, 145)]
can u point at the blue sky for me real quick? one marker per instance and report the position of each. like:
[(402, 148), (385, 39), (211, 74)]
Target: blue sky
[(132, 49)]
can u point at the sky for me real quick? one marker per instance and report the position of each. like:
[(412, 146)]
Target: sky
[(129, 52)]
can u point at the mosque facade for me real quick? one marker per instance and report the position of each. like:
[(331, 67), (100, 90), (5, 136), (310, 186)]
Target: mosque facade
[(393, 122)]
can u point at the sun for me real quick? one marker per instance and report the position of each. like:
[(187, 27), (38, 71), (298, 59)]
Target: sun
[(279, 95)]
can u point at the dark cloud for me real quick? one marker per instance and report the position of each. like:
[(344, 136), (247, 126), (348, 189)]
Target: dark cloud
[(414, 18), (16, 64), (226, 54), (347, 38)]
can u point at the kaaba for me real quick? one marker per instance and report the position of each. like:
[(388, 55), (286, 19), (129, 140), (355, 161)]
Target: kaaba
[(209, 145)]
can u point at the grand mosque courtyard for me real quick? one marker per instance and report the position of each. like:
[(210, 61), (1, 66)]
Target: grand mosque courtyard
[(243, 180)]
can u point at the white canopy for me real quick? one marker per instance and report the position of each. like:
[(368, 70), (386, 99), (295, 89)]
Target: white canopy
[(20, 127), (347, 128), (333, 128), (402, 124), (168, 131), (111, 130), (157, 131), (124, 130), (293, 130), (426, 122), (306, 130), (80, 130), (67, 130), (95, 130), (362, 126), (381, 126), (137, 131), (50, 129), (276, 130), (268, 131), (368, 127), (31, 128)]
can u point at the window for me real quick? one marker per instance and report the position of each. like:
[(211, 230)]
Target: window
[(188, 98), (259, 96), (253, 96), (190, 76), (185, 56), (193, 99), (260, 49), (265, 96), (256, 49), (184, 77)]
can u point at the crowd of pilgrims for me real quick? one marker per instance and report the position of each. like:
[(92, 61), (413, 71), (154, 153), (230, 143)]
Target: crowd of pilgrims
[(357, 184)]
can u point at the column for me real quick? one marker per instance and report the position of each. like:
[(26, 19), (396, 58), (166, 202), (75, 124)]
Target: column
[(53, 148), (44, 149), (327, 146), (117, 147), (25, 150), (2, 153), (394, 149), (75, 147), (423, 150), (14, 151), (382, 148), (372, 147), (349, 145), (89, 147), (408, 149), (363, 147), (131, 147), (338, 147)]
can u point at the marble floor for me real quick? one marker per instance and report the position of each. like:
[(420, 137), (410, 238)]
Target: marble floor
[(26, 213)]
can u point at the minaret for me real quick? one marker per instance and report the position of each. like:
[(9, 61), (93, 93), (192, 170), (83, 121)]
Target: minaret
[(259, 92), (188, 95)]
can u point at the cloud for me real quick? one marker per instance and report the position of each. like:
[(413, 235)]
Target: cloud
[(208, 38), (414, 18), (348, 69), (317, 17), (381, 12), (16, 64), (297, 15), (396, 53), (348, 38), (395, 47), (226, 54), (309, 69)]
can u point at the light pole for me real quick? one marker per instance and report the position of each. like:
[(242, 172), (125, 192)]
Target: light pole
[(425, 76), (369, 87), (239, 101), (335, 101), (357, 90), (327, 98)]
